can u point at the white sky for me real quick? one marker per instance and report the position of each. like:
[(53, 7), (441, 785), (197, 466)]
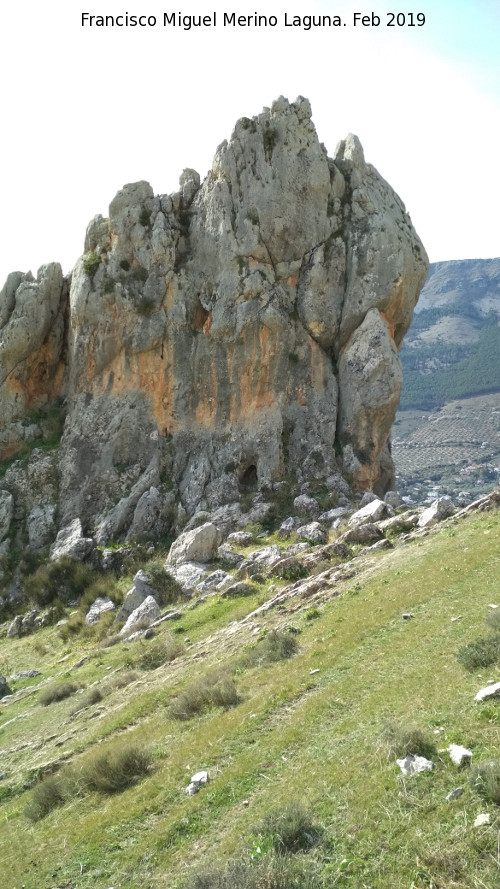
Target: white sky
[(85, 110)]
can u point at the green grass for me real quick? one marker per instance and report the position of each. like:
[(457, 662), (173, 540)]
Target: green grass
[(320, 738)]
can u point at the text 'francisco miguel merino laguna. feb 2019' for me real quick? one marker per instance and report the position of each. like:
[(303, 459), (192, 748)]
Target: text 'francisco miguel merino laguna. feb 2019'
[(186, 22)]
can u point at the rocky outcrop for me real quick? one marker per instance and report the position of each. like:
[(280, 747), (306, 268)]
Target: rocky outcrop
[(217, 338)]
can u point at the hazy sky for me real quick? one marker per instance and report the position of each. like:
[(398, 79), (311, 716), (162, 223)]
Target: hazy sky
[(85, 110)]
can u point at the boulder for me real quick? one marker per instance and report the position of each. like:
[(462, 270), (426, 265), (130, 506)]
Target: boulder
[(214, 581), (307, 506), (236, 590), (70, 541), (372, 512), (398, 523), (289, 525), (368, 497), (142, 584), (440, 509), (367, 533), (228, 556), (99, 607), (313, 532), (266, 556), (147, 612), (15, 627), (198, 545), (31, 622), (188, 574), (147, 514), (393, 499), (240, 538), (332, 514)]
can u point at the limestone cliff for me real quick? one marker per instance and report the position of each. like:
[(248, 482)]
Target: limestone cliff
[(221, 336)]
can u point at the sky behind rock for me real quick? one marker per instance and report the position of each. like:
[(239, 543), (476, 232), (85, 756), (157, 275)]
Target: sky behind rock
[(87, 109)]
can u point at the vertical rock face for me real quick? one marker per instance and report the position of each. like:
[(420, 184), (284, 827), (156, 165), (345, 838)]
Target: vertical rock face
[(226, 334), (32, 333)]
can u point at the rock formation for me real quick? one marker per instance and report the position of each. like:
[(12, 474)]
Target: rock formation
[(218, 338)]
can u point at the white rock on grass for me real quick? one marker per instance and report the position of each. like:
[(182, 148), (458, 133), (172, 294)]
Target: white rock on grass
[(197, 781), (98, 607), (460, 756), (413, 765), (491, 691)]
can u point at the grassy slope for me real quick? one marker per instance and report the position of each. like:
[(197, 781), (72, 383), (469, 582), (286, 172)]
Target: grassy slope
[(294, 735)]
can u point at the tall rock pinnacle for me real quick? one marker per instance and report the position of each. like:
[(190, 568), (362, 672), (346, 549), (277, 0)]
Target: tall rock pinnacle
[(242, 328)]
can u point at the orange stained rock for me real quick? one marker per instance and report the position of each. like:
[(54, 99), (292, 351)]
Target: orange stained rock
[(390, 323), (292, 280), (43, 379), (207, 327)]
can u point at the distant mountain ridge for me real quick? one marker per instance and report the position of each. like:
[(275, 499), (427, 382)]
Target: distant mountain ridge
[(446, 436), (452, 349)]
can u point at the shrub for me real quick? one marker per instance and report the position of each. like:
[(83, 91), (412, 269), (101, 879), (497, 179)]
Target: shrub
[(115, 770), (65, 579), (161, 652), (291, 829), (121, 680), (312, 614), (91, 263), (139, 273), (274, 646), (145, 217), (400, 741), (92, 696), (108, 284), (125, 265), (268, 872), (46, 796), (481, 653), (57, 692), (72, 627), (270, 139), (146, 306), (485, 780), (100, 588), (169, 589), (216, 689), (109, 772)]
